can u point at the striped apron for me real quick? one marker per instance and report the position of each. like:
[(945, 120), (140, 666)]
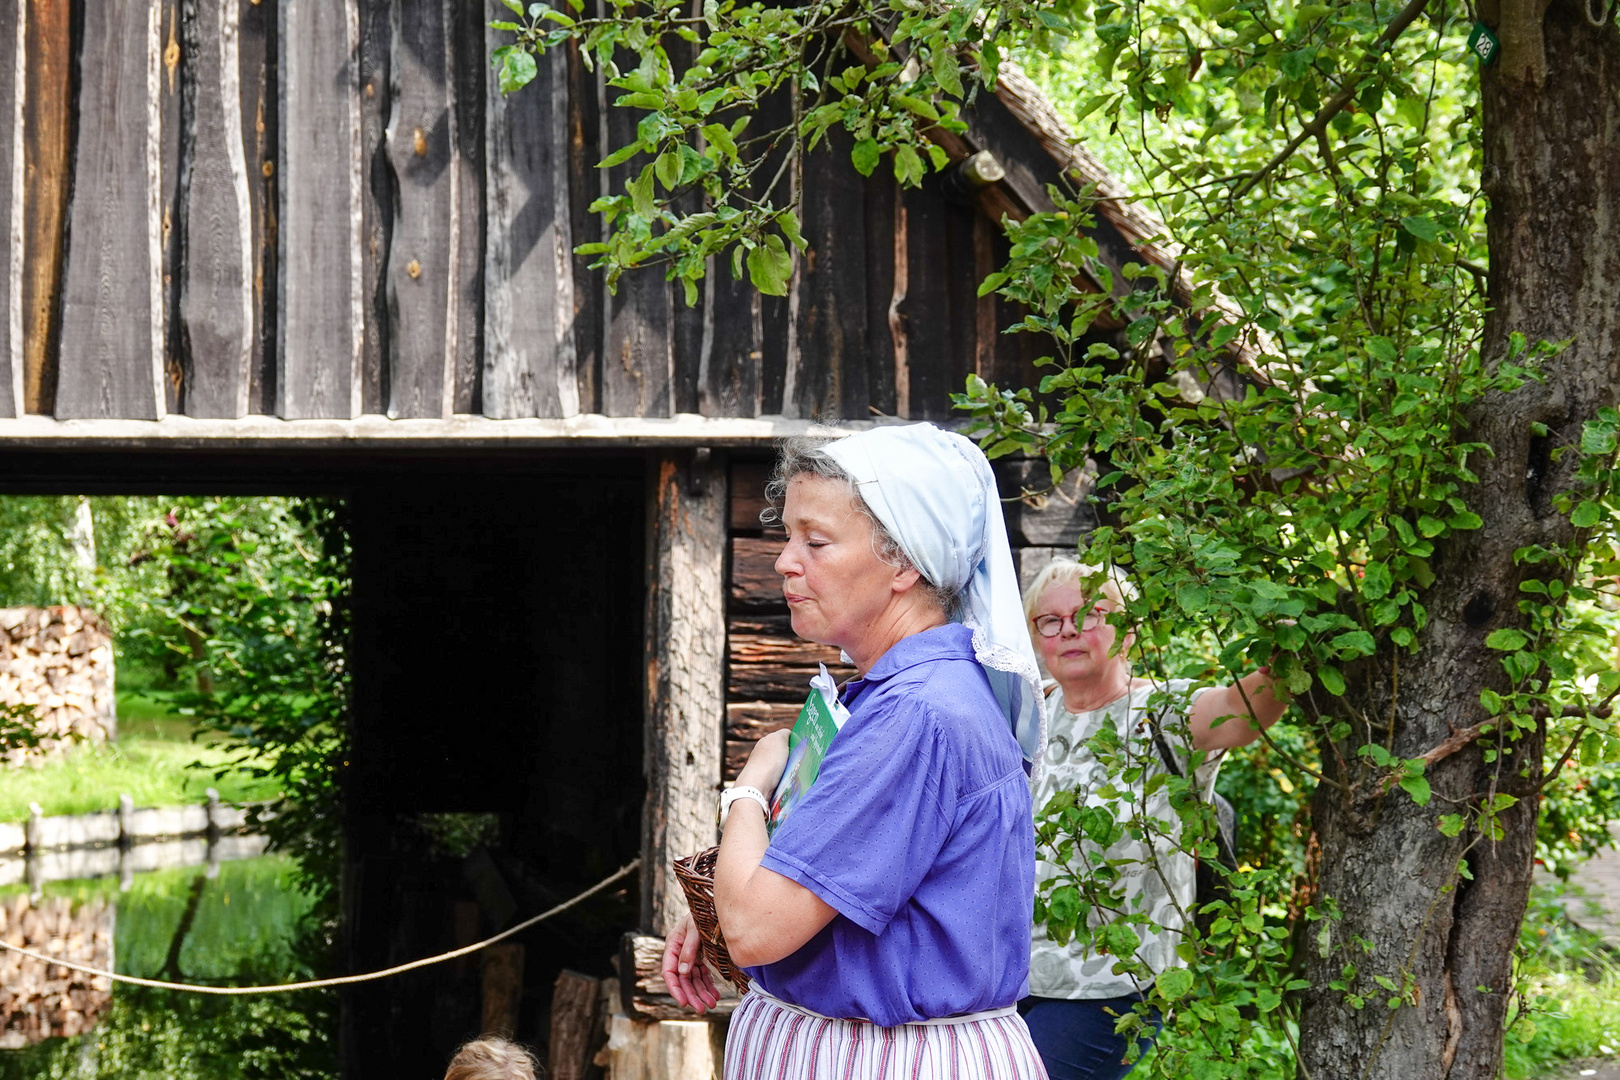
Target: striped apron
[(770, 1039)]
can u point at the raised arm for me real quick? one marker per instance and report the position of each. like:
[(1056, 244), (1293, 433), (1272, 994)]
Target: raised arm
[(1227, 717)]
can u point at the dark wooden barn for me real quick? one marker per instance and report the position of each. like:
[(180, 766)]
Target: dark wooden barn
[(305, 246)]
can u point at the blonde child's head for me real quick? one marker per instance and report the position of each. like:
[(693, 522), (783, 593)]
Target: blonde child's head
[(491, 1058)]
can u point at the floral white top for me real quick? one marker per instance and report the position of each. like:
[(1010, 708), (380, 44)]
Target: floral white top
[(1070, 971)]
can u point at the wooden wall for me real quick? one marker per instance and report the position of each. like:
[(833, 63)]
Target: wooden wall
[(325, 208)]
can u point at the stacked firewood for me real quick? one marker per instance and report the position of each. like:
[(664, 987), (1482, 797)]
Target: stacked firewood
[(58, 663), (40, 1001)]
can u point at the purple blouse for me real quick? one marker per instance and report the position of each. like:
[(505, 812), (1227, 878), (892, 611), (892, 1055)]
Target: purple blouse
[(918, 831)]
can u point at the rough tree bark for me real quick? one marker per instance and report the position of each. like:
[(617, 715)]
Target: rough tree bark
[(1551, 116)]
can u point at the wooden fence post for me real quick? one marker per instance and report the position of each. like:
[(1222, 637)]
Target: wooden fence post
[(686, 664)]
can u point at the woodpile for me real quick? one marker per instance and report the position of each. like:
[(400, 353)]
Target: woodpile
[(58, 661), (41, 1001)]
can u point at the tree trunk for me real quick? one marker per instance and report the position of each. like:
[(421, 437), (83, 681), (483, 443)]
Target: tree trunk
[(1444, 939)]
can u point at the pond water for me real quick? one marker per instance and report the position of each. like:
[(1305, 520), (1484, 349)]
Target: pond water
[(237, 923)]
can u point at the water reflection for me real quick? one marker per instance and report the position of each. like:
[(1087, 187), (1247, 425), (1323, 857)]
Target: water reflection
[(218, 923)]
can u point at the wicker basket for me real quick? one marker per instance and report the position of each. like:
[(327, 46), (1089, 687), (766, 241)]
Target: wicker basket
[(696, 875)]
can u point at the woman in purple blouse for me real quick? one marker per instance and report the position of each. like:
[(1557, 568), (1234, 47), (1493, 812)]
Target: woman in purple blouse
[(885, 924)]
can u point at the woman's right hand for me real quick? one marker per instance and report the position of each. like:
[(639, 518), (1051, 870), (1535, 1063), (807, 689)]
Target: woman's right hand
[(685, 973)]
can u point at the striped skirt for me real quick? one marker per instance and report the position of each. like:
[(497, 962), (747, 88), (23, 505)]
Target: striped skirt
[(772, 1040)]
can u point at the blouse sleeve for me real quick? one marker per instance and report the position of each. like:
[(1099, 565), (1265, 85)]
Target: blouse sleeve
[(869, 830)]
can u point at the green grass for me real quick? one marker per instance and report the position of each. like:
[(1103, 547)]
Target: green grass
[(1573, 1017), (154, 761)]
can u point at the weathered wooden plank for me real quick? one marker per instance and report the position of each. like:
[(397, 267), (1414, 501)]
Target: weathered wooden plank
[(424, 250), (467, 159), (111, 362), (729, 375), (751, 720), (748, 480), (170, 166), (937, 316), (779, 625), (885, 276), (320, 299), (12, 91), (1050, 516), (755, 584), (529, 358), (218, 317), (584, 184), (770, 682), (47, 110), (642, 993), (772, 649), (686, 633), (377, 199), (638, 321), (255, 35), (576, 1015), (830, 379)]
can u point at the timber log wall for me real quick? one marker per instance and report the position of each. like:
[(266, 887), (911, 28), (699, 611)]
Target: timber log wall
[(325, 208)]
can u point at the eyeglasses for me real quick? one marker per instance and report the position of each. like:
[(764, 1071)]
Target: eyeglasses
[(1052, 625)]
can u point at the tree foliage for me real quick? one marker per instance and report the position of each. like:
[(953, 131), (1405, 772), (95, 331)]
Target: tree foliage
[(1316, 168)]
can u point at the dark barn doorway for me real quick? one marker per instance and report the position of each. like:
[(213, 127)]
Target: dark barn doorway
[(496, 645), (497, 682)]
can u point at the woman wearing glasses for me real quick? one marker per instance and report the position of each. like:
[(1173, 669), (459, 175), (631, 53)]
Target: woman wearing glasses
[(1075, 997)]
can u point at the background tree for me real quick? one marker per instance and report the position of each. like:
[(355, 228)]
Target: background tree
[(1417, 261)]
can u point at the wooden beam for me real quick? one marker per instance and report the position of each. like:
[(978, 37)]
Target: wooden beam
[(366, 434), (320, 302), (686, 663), (111, 362)]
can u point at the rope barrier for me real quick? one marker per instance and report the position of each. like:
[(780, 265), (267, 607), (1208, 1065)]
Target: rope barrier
[(341, 980)]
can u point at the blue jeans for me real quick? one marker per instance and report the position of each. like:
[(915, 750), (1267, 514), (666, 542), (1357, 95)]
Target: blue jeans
[(1076, 1039)]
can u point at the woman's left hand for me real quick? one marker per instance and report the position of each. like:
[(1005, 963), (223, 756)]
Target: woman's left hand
[(765, 763)]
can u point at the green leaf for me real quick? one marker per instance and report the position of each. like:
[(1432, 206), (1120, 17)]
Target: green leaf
[(1192, 598), (668, 169), (946, 72), (640, 191), (1418, 788), (788, 222), (1355, 643), (1175, 983), (1376, 581), (1507, 639), (1586, 515), (865, 156), (1331, 680), (1451, 824), (1381, 348), (1422, 228), (908, 167), (620, 156), (770, 266), (1466, 519), (518, 71)]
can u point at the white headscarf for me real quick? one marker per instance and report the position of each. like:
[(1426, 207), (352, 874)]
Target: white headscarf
[(935, 494)]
